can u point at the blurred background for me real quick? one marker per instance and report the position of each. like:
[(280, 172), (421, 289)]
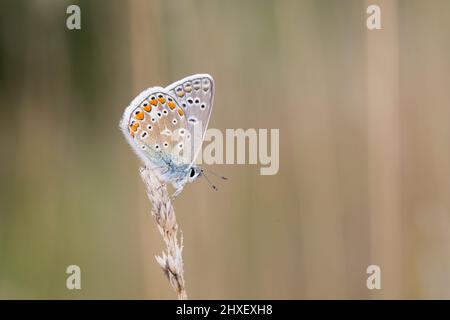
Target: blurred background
[(364, 119)]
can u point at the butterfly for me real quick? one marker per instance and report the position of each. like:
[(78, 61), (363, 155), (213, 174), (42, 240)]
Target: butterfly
[(166, 128)]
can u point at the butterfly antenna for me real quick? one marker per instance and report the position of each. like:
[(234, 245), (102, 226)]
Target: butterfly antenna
[(214, 174), (209, 182)]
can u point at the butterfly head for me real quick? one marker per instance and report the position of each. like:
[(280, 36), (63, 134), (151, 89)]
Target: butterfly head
[(190, 174), (193, 173)]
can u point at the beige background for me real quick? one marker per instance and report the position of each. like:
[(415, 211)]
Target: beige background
[(364, 120)]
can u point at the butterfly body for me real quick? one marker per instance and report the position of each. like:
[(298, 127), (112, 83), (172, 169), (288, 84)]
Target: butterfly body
[(166, 127), (179, 174)]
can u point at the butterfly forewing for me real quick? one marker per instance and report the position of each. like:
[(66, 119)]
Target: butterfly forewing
[(195, 95)]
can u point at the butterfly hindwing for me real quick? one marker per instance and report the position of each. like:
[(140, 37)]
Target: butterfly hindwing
[(152, 125)]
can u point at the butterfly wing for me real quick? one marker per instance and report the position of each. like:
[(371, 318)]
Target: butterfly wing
[(166, 126), (154, 124), (195, 95)]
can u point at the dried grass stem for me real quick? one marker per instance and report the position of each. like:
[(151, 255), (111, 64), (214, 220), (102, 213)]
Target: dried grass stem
[(171, 260)]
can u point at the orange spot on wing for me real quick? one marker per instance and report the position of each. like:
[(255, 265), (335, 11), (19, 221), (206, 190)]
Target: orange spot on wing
[(171, 105), (153, 101), (180, 112), (134, 126), (139, 115), (162, 100), (148, 108)]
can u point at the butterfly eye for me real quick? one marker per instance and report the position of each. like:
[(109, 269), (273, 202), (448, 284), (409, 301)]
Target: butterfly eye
[(192, 173)]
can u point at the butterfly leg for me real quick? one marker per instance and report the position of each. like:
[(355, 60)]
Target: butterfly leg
[(160, 186), (177, 192)]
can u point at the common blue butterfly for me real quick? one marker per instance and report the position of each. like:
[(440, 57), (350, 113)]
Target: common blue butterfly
[(166, 127)]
